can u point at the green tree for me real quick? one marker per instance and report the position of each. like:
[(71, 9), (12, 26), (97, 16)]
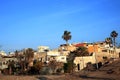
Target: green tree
[(66, 36), (68, 67), (35, 69), (54, 65), (28, 54), (82, 51), (114, 34), (79, 52), (11, 67), (17, 54)]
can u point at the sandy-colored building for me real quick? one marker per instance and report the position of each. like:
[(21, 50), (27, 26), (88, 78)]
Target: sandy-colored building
[(65, 47), (5, 60), (43, 48), (40, 56), (2, 53), (81, 62), (93, 48), (56, 55)]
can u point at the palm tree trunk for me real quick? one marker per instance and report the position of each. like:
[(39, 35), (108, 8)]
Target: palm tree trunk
[(114, 47), (114, 42), (66, 42)]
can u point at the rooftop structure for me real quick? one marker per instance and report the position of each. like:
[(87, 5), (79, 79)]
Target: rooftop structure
[(43, 48)]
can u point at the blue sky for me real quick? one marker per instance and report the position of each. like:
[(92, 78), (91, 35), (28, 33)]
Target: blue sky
[(31, 23)]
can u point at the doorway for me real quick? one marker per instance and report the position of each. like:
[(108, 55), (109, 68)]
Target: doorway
[(78, 66)]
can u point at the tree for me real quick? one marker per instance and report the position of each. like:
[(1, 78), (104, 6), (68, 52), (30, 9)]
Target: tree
[(68, 67), (79, 52), (114, 34), (54, 65), (11, 67), (18, 55), (28, 54), (66, 36), (35, 69), (82, 51)]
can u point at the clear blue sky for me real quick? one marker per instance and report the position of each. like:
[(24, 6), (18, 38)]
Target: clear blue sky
[(31, 23)]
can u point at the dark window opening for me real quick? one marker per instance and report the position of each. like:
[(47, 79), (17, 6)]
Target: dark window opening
[(78, 65), (104, 50)]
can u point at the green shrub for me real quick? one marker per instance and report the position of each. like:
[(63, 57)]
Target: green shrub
[(69, 67)]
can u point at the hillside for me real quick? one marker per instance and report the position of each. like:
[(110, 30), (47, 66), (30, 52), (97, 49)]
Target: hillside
[(110, 71)]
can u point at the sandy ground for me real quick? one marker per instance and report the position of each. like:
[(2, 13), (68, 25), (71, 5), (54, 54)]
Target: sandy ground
[(97, 75)]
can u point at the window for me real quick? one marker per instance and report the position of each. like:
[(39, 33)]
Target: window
[(62, 58), (3, 63), (104, 50)]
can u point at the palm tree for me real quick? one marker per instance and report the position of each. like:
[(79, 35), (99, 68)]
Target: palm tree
[(114, 34), (66, 36)]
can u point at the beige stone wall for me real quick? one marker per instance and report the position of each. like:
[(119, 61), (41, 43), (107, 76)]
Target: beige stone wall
[(40, 56), (82, 61), (4, 61), (61, 59), (53, 53)]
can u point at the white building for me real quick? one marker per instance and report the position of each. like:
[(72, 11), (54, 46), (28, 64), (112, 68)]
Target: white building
[(56, 55), (11, 54), (43, 48), (3, 53), (53, 53)]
